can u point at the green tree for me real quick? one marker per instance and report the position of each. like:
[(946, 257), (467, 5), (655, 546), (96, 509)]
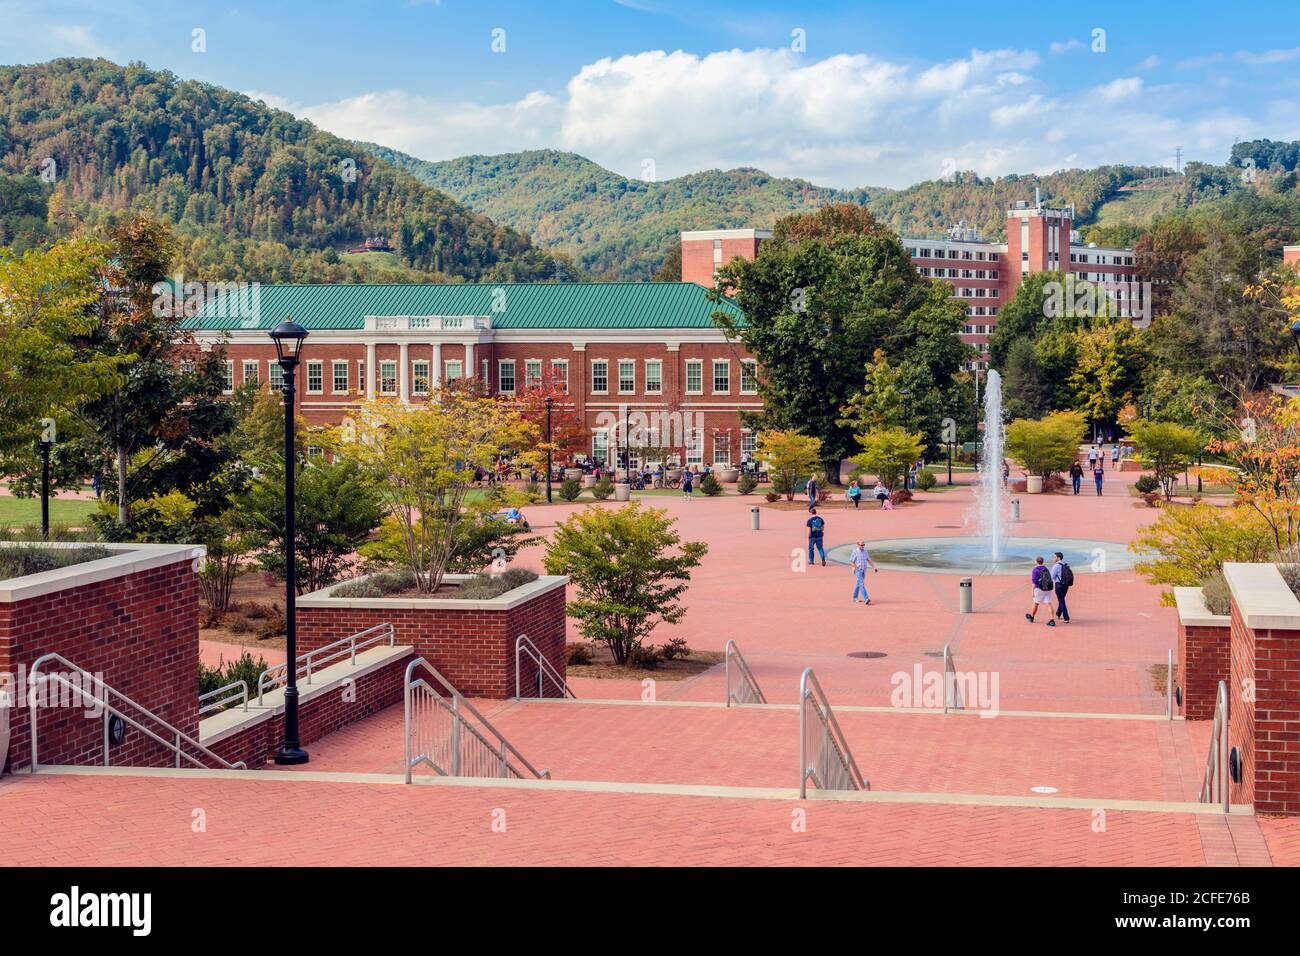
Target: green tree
[(629, 569), (888, 452), (1023, 317), (790, 457), (47, 303), (1167, 448), (1048, 445), (336, 508), (1111, 357), (827, 291), (1184, 546), (880, 403), (1025, 392)]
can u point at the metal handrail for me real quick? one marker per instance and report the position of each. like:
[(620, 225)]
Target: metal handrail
[(746, 690), (1214, 785), (176, 745), (831, 765), (544, 669), (329, 654), (221, 703), (424, 743), (952, 699)]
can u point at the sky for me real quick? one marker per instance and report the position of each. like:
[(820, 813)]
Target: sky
[(842, 94)]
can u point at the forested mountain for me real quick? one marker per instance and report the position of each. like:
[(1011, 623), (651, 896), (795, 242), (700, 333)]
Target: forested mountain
[(613, 226), (252, 192)]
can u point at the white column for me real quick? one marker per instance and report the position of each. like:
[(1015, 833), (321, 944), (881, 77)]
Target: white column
[(403, 373), (437, 365), (469, 359), (371, 370)]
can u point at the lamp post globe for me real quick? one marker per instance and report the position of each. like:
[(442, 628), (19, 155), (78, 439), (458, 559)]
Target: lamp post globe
[(288, 337)]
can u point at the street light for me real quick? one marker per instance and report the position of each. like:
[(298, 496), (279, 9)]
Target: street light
[(548, 449), (288, 337), (46, 443), (907, 421)]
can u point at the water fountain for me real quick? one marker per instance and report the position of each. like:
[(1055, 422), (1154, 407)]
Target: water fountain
[(990, 550)]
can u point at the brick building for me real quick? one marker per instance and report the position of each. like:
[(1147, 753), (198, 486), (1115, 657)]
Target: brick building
[(645, 363), (984, 275)]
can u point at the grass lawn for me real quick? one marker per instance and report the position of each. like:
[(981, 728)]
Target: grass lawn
[(23, 511)]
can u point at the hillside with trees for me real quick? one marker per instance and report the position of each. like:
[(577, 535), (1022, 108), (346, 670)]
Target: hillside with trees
[(251, 192)]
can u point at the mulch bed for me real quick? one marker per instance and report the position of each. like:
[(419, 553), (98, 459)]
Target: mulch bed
[(681, 668)]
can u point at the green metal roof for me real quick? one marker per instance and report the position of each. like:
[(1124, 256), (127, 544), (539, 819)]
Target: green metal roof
[(523, 305)]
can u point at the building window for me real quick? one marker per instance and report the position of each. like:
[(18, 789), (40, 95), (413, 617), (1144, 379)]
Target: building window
[(315, 451), (600, 445), (339, 385), (275, 376), (626, 376), (694, 377), (599, 376), (748, 446), (388, 377), (315, 377), (694, 446), (250, 373), (722, 449), (533, 373), (228, 376), (654, 376), (420, 377), (748, 377), (361, 376), (506, 376), (453, 369), (560, 374)]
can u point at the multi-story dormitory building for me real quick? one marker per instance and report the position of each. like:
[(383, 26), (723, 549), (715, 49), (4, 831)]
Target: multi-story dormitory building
[(639, 358)]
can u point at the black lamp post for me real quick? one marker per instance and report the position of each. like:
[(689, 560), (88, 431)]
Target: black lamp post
[(46, 443), (907, 421), (288, 337), (548, 449), (950, 444)]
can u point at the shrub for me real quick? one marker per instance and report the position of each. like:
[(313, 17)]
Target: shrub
[(899, 495), (533, 492), (376, 585), (782, 487), (1152, 499), (578, 654), (570, 489), (19, 560), (710, 485), (746, 484), (1218, 599), (1047, 445), (887, 452), (243, 668), (274, 626), (646, 656), (790, 458), (771, 496), (925, 479), (239, 625), (603, 488), (673, 648), (1146, 484), (483, 587)]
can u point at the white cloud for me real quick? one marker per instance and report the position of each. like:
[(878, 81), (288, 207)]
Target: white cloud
[(31, 35), (1150, 63), (1058, 47), (844, 120)]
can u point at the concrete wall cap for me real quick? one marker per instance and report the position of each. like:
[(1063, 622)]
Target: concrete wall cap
[(1262, 596), (506, 602), (1192, 611), (127, 559)]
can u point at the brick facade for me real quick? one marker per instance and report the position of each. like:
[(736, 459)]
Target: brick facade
[(138, 630), (1204, 659), (319, 714), (473, 647), (1264, 688)]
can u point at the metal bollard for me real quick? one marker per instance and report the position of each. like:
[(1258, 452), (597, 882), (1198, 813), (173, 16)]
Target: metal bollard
[(967, 596), (1015, 509), (753, 518)]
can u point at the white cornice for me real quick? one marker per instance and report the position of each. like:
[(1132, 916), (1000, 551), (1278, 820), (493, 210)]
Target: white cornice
[(577, 339)]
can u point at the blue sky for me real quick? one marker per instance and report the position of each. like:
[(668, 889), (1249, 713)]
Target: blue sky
[(840, 93)]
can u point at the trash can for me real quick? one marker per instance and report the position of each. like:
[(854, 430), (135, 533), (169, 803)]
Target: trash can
[(967, 596), (753, 518), (622, 491), (1015, 509)]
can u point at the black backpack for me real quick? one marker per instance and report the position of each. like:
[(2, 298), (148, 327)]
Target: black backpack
[(1067, 575)]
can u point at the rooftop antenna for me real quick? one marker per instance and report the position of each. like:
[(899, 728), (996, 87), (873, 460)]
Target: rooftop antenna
[(1038, 196), (1178, 160)]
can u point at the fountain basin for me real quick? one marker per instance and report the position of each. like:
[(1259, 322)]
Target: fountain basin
[(970, 555)]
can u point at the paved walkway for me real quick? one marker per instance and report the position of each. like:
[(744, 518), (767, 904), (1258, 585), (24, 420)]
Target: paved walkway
[(785, 617)]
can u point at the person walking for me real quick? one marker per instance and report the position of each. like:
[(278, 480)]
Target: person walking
[(860, 560), (1114, 456), (816, 532), (1042, 581), (1098, 474), (686, 482), (1062, 581), (1092, 456), (1076, 475), (811, 488), (854, 493)]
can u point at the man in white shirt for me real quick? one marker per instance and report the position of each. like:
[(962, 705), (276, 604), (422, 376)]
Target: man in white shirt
[(860, 560)]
